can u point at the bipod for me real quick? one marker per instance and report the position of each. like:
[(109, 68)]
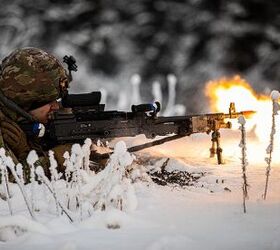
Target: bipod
[(216, 148)]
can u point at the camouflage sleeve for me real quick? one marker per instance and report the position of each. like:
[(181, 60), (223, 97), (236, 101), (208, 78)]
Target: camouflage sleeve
[(9, 153), (43, 161)]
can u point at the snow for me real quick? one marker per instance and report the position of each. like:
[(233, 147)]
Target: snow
[(275, 95), (241, 120), (172, 82), (207, 215), (157, 92), (135, 84), (32, 157)]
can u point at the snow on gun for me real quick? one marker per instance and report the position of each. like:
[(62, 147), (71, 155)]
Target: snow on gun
[(84, 117)]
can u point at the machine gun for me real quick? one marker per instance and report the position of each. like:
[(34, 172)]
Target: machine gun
[(84, 117)]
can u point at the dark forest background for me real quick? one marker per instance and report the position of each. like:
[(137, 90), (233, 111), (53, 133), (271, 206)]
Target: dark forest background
[(196, 40)]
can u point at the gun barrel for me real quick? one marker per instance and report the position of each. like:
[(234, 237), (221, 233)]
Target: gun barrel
[(248, 113)]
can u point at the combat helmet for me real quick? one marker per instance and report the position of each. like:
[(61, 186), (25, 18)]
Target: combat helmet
[(32, 78)]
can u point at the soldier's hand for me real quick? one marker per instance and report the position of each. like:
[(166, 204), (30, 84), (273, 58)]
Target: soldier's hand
[(15, 138)]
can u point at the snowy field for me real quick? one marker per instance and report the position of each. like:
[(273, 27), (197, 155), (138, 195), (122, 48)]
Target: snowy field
[(207, 215)]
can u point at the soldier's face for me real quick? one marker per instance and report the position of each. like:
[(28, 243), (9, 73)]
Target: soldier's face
[(42, 114)]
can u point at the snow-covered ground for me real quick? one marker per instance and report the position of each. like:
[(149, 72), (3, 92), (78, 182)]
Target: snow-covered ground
[(208, 215)]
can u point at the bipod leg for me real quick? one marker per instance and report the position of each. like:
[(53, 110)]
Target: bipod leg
[(213, 149), (216, 147), (219, 149)]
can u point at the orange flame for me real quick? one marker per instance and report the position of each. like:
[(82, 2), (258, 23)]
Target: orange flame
[(237, 90)]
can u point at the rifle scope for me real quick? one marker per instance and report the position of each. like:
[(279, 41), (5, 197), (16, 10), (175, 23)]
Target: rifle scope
[(81, 100)]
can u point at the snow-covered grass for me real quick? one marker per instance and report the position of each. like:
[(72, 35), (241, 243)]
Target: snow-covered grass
[(275, 108), (244, 162), (208, 215)]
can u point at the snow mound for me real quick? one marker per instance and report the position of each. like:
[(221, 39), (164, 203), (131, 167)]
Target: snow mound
[(13, 226)]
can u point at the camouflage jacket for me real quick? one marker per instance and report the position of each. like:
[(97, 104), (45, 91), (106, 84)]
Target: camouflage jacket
[(31, 78)]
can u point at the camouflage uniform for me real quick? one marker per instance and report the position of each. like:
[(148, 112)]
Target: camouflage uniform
[(31, 78)]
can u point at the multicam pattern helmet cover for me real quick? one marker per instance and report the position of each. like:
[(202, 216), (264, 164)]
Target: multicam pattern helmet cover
[(32, 78)]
